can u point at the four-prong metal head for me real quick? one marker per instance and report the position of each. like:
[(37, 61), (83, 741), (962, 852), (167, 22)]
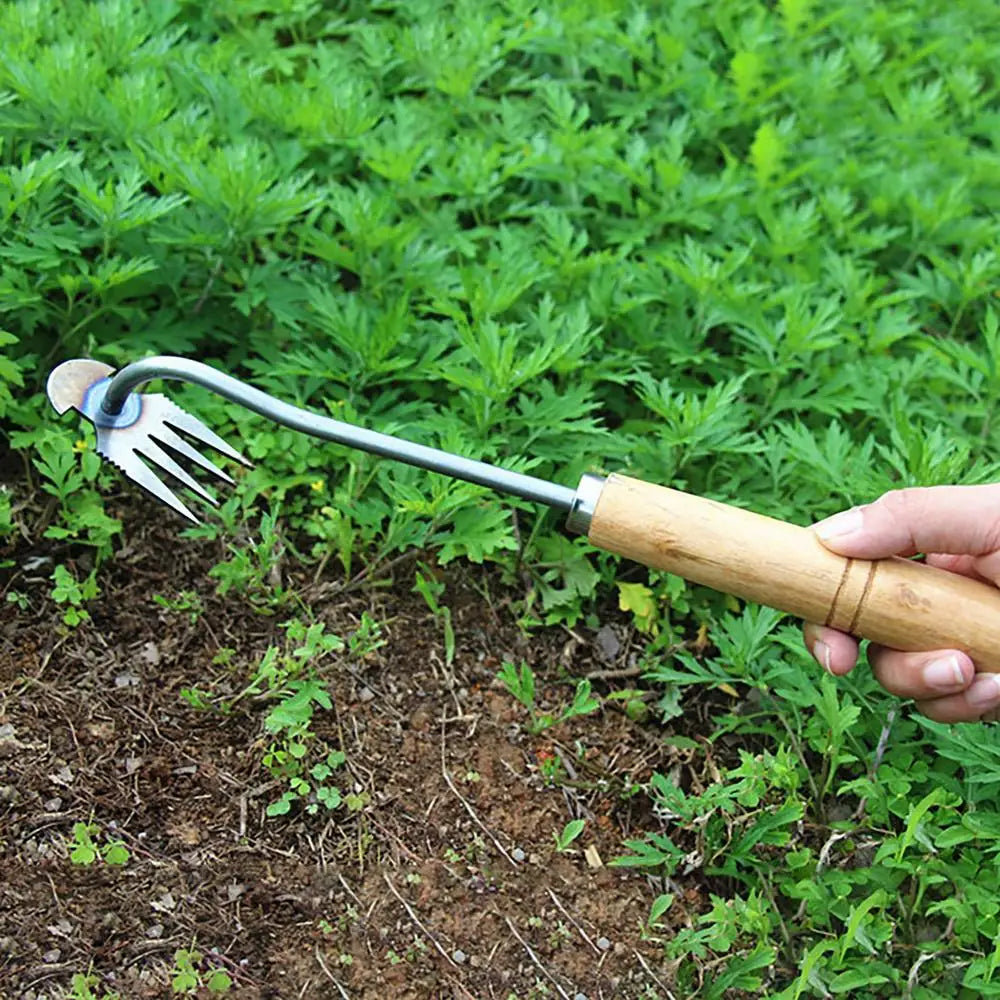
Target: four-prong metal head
[(146, 427)]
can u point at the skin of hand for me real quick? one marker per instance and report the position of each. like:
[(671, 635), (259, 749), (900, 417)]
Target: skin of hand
[(958, 527)]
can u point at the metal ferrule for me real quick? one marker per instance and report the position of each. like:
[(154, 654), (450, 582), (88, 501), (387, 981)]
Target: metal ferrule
[(584, 504), (92, 407)]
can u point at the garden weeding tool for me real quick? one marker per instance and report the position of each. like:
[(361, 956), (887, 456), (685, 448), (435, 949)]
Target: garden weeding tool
[(896, 602)]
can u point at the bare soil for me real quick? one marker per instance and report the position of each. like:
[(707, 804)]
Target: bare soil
[(447, 883)]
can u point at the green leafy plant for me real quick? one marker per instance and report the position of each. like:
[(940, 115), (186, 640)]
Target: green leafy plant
[(84, 850), (10, 374), (82, 986), (69, 473), (288, 679), (253, 569), (188, 977), (520, 682), (430, 590), (285, 761), (186, 602), (68, 591), (564, 839), (366, 638)]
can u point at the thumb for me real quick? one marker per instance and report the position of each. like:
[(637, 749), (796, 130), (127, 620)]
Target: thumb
[(956, 519)]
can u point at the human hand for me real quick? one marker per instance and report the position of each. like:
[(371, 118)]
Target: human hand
[(958, 527)]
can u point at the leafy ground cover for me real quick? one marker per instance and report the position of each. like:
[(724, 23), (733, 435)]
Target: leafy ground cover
[(749, 250)]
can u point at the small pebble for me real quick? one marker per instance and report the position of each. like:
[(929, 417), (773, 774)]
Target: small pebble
[(580, 996), (366, 694), (53, 805), (154, 931), (165, 902), (518, 855), (603, 943), (51, 957), (64, 776), (608, 643), (61, 928), (458, 956)]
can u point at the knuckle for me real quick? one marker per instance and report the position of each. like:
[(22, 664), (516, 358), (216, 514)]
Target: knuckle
[(991, 530), (894, 673), (893, 685), (903, 504), (934, 710), (902, 512)]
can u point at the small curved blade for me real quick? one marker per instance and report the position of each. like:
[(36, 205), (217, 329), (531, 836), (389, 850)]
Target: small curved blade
[(68, 383)]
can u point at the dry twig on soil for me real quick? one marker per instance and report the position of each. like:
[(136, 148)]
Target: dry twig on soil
[(470, 810), (535, 959), (555, 899), (412, 915), (330, 975), (653, 976)]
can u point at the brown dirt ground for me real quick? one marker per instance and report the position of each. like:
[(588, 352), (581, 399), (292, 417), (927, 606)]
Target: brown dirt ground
[(446, 883)]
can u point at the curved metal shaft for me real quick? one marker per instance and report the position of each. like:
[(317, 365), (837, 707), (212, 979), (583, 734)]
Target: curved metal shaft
[(184, 370)]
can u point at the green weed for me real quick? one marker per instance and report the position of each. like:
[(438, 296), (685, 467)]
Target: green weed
[(186, 602), (565, 837), (430, 590), (520, 682), (67, 591), (82, 987), (254, 569), (84, 850), (187, 976)]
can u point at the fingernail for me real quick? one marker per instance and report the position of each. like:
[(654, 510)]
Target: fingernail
[(847, 522), (984, 691), (944, 674), (822, 653)]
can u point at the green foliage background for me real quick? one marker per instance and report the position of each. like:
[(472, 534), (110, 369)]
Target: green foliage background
[(745, 248)]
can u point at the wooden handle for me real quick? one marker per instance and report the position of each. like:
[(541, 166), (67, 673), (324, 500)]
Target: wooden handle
[(895, 602)]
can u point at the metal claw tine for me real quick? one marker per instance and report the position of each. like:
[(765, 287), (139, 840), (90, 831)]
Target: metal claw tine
[(183, 421), (121, 454), (152, 452), (155, 425), (166, 435), (165, 419)]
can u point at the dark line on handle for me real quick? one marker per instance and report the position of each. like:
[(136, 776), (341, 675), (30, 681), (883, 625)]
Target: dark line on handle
[(872, 567), (836, 597)]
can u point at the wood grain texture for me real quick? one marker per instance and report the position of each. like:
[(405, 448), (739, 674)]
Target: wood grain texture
[(895, 602)]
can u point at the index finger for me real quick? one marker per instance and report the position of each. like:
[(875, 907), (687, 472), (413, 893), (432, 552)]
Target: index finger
[(950, 519)]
